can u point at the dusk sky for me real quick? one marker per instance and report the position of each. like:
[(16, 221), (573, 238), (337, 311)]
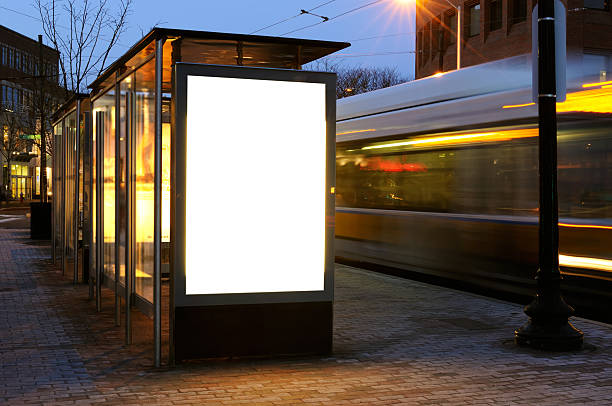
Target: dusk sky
[(381, 32)]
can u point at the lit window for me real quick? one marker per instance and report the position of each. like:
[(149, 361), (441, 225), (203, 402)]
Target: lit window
[(495, 15), (474, 22), (519, 11)]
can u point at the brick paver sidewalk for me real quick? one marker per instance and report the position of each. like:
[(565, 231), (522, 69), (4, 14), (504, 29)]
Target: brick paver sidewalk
[(396, 342)]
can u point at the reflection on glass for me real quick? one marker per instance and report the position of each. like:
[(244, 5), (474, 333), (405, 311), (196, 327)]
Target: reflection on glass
[(104, 117), (165, 183), (144, 134), (57, 202), (121, 199), (70, 154)]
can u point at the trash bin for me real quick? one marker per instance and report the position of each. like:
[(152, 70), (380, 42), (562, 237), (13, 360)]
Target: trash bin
[(40, 221)]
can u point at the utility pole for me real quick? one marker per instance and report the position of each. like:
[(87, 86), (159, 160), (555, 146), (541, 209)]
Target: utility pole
[(43, 138), (548, 326)]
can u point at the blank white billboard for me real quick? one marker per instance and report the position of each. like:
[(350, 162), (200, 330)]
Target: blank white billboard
[(255, 187)]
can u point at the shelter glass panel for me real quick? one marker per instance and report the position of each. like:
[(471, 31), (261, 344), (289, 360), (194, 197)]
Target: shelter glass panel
[(144, 136), (57, 202), (94, 193), (124, 103), (70, 153), (104, 119)]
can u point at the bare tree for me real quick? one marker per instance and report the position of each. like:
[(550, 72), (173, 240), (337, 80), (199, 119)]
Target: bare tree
[(44, 100), (84, 32), (11, 128), (358, 79)]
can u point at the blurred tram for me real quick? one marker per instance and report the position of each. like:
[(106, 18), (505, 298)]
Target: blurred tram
[(440, 177)]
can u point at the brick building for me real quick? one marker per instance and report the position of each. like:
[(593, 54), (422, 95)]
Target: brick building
[(496, 29), (19, 89)]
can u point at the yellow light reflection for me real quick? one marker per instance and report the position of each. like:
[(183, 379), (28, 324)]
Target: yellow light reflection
[(356, 131), (585, 262), (140, 274), (461, 138)]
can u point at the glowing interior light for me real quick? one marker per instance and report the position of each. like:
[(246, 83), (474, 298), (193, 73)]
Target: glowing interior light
[(585, 262), (460, 138), (257, 226)]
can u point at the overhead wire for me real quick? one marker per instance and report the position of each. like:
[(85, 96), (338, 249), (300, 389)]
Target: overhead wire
[(334, 17), (399, 34), (302, 12), (370, 54)]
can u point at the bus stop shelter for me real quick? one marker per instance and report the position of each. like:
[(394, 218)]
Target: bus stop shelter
[(129, 222)]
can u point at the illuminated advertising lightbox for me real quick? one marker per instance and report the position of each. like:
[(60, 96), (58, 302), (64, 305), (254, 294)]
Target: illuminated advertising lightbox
[(257, 185)]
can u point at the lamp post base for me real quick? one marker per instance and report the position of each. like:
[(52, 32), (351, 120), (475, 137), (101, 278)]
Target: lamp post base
[(548, 327)]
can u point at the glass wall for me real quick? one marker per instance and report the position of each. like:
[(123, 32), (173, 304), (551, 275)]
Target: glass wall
[(144, 140), (57, 186), (68, 199), (104, 128), (124, 102), (93, 253)]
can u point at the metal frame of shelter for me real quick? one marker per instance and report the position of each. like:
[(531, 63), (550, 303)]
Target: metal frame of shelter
[(126, 161)]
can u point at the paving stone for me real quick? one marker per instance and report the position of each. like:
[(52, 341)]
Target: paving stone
[(396, 341)]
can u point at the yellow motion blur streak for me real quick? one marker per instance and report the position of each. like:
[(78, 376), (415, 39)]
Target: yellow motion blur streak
[(585, 226), (609, 82), (590, 100), (513, 106), (461, 139), (355, 131), (584, 262)]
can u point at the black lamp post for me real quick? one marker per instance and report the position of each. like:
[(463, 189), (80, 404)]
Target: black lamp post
[(548, 326)]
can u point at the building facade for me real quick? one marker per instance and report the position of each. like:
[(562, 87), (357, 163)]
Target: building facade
[(28, 79), (496, 29)]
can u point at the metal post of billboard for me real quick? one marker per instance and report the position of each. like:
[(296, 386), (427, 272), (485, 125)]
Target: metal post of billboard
[(548, 326)]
